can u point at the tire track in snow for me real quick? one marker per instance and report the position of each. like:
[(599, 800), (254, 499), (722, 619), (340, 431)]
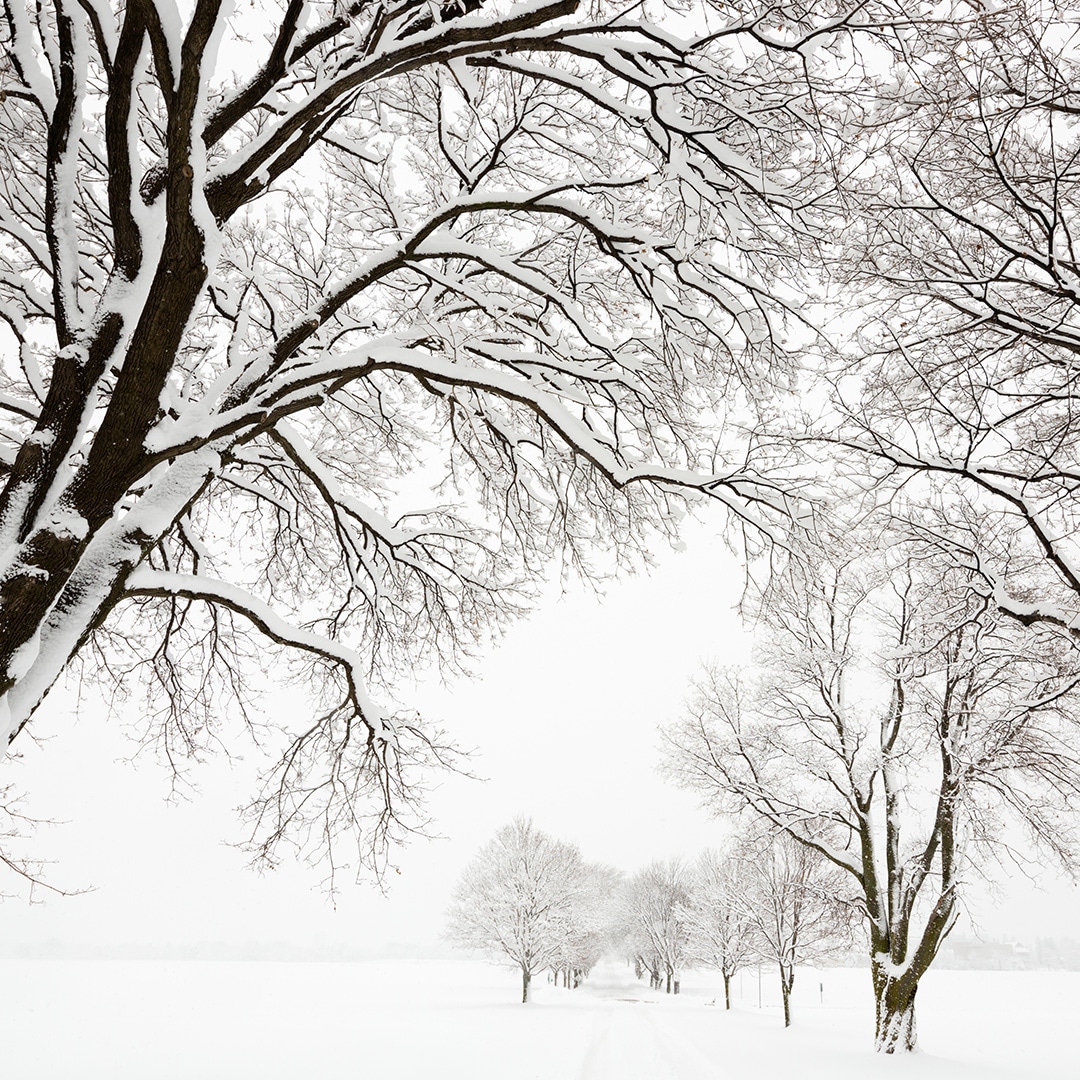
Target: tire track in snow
[(632, 1045), (687, 1060), (592, 1064), (632, 1038)]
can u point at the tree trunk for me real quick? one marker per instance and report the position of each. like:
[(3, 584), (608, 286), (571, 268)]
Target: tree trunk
[(894, 1028), (526, 978), (89, 587), (668, 986), (727, 991), (675, 986), (787, 981)]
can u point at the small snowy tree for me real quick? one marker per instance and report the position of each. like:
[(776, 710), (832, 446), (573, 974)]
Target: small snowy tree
[(329, 323), (896, 727), (719, 930), (655, 900), (790, 903), (523, 899), (592, 925)]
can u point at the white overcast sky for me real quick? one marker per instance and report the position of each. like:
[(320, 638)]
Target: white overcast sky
[(564, 715)]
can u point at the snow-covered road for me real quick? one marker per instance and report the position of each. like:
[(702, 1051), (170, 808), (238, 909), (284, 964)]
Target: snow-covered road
[(630, 1042), (640, 1034), (419, 1020)]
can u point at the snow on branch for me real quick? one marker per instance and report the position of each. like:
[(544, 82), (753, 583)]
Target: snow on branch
[(147, 582)]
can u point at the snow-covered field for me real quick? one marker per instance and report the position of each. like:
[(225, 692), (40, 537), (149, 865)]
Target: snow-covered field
[(427, 1020)]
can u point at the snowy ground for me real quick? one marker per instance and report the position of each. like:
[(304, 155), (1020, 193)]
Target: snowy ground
[(419, 1020)]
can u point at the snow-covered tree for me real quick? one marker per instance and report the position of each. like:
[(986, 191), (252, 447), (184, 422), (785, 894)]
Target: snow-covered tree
[(899, 727), (654, 904), (790, 902), (524, 899), (592, 927), (719, 931), (327, 325)]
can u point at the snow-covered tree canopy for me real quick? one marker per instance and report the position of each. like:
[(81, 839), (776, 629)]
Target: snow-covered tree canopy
[(326, 325), (790, 903), (654, 903), (529, 900), (962, 244), (718, 926)]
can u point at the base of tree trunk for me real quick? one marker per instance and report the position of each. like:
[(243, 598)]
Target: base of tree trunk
[(787, 983), (895, 1032), (894, 1029)]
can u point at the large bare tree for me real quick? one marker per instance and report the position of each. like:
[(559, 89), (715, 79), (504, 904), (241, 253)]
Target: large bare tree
[(903, 729), (328, 325)]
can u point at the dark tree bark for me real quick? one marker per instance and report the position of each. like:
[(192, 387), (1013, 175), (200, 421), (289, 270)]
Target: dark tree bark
[(894, 1024)]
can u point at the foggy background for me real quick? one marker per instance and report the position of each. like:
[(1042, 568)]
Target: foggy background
[(563, 716)]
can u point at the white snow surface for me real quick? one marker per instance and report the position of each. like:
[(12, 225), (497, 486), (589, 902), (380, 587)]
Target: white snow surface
[(458, 1019)]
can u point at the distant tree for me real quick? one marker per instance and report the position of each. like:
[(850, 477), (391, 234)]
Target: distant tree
[(719, 929), (522, 899), (899, 727), (592, 925), (654, 904), (1057, 953), (790, 903)]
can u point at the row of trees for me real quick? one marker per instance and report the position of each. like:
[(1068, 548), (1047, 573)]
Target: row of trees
[(762, 899), (897, 735), (532, 901)]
